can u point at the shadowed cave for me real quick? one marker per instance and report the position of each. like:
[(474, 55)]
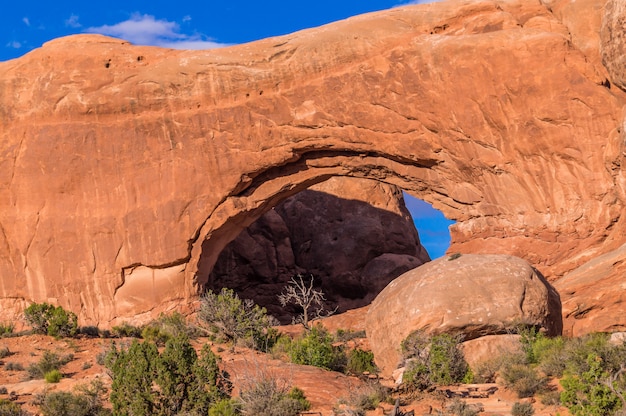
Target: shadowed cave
[(352, 248)]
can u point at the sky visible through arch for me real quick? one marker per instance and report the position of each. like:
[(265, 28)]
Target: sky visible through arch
[(26, 25), (431, 225)]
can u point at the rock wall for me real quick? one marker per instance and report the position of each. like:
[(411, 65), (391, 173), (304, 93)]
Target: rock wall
[(125, 170), (353, 235)]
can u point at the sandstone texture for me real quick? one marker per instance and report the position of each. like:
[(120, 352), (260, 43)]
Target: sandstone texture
[(471, 296), (594, 295), (613, 33), (125, 170), (353, 235), (480, 350)]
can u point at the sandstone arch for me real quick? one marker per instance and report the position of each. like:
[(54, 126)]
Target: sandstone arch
[(121, 165)]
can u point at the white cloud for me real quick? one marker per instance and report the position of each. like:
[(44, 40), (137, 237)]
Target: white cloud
[(146, 30), (72, 21), (14, 44), (26, 21), (187, 18)]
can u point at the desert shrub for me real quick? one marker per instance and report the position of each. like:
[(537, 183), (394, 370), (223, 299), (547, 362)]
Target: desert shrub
[(12, 366), (174, 382), (551, 355), (435, 360), (132, 371), (8, 408), (522, 409), (345, 335), (590, 393), (6, 328), (51, 320), (459, 407), (523, 380), (360, 361), (225, 407), (230, 318), (53, 376), (167, 326), (48, 362), (362, 399), (4, 352), (265, 395), (86, 401), (316, 348), (126, 330), (89, 331)]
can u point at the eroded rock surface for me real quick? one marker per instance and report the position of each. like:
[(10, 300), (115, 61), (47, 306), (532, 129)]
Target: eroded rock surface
[(353, 235), (594, 296), (613, 45), (125, 170), (471, 296)]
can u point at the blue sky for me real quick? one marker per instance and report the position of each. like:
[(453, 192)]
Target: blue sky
[(26, 25)]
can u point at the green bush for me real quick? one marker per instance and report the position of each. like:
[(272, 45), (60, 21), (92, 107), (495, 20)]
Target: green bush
[(167, 326), (360, 361), (8, 408), (230, 318), (316, 348), (225, 407), (53, 376), (522, 409), (174, 382), (51, 320), (126, 330), (6, 328), (48, 362), (86, 401), (589, 393), (432, 361), (523, 380)]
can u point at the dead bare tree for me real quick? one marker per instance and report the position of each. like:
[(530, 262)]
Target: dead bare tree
[(301, 292)]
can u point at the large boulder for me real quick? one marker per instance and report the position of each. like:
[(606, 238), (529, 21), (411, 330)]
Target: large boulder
[(353, 235), (469, 295)]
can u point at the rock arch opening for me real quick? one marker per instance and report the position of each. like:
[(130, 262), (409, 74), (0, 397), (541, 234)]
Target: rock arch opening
[(432, 225), (353, 235)]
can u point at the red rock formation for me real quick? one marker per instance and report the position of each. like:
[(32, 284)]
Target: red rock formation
[(353, 235), (471, 296), (125, 170)]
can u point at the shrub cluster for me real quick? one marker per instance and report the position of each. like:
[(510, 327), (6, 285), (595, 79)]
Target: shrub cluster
[(86, 401), (262, 394), (361, 399), (8, 408), (51, 320), (316, 347), (168, 383), (47, 364), (229, 318), (433, 360)]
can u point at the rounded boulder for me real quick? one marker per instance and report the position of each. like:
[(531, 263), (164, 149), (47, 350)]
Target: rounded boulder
[(468, 295)]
